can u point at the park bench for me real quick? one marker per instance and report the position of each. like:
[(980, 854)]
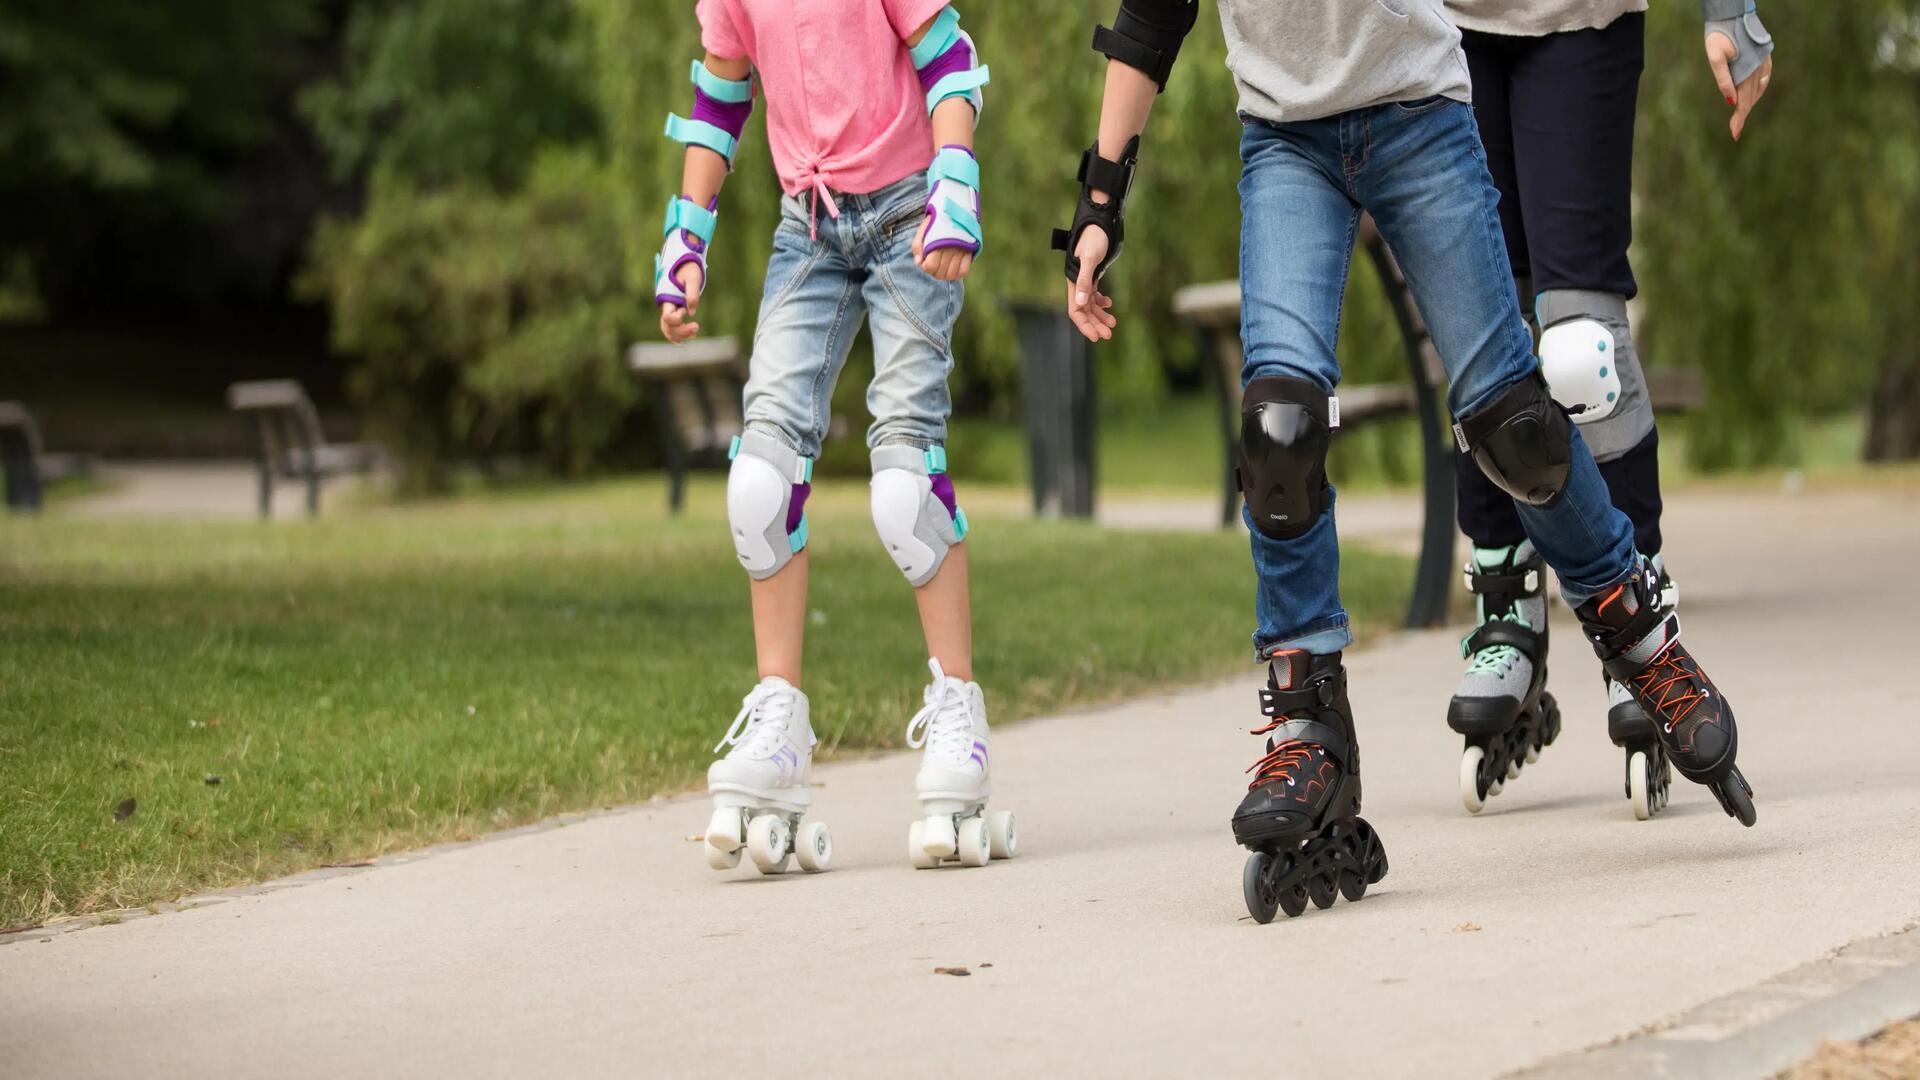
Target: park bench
[(696, 391), (28, 467), (1214, 311), (288, 440)]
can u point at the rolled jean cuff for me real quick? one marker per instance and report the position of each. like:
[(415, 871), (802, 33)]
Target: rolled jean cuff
[(1317, 639), (1575, 595)]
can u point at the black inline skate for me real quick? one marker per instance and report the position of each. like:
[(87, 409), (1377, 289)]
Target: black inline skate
[(1637, 638), (1502, 705), (1301, 812), (1649, 776)]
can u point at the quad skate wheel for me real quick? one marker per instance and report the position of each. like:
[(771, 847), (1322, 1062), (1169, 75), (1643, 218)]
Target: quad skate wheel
[(769, 843), (720, 858), (1640, 786), (1000, 833), (976, 847), (941, 840), (725, 830), (815, 848), (1256, 881), (1470, 796), (917, 847)]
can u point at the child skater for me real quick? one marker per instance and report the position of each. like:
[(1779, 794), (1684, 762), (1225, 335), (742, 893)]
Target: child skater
[(871, 106)]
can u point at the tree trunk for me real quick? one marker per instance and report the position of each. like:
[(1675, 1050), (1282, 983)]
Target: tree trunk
[(1893, 416)]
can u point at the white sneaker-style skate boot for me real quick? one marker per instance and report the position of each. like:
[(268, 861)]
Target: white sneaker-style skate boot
[(760, 788), (955, 779)]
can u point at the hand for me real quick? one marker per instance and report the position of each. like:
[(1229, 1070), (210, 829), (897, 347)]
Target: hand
[(1720, 54), (675, 321), (1087, 306), (947, 264)]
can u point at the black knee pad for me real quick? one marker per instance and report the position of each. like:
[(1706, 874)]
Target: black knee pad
[(1523, 441), (1282, 466)]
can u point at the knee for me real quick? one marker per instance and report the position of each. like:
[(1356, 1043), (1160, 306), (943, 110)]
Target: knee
[(1285, 427), (767, 488), (914, 509), (1521, 440)]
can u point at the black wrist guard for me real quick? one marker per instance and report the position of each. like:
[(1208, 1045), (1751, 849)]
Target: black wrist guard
[(1115, 178)]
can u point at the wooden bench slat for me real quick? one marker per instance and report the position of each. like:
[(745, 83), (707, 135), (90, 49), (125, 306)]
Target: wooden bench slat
[(661, 358)]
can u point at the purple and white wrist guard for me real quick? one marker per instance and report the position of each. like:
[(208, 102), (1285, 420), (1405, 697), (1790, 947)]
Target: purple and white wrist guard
[(688, 231), (953, 201), (948, 65)]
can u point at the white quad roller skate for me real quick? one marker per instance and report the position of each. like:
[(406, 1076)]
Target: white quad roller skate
[(955, 779), (760, 788)]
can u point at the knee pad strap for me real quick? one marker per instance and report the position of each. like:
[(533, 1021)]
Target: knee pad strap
[(767, 489), (1522, 441), (914, 510), (1589, 362), (1285, 427)]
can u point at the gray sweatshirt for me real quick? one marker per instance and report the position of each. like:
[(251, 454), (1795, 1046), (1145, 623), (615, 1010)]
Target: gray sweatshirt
[(1533, 18), (1308, 59)]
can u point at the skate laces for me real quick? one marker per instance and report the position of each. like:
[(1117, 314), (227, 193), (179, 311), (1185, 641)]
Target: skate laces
[(761, 723), (1282, 761), (944, 725), (1670, 683)]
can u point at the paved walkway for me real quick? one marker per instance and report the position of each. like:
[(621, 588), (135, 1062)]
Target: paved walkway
[(1117, 943)]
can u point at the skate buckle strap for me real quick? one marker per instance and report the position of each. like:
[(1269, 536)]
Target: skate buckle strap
[(1319, 694), (1501, 632), (1501, 583)]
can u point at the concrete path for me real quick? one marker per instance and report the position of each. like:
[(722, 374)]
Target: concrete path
[(1116, 943), (200, 489)]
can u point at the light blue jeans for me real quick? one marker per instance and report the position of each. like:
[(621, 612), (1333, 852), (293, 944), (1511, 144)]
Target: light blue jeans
[(818, 290), (1419, 169)]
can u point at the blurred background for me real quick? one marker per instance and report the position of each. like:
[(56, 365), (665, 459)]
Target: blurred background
[(440, 215)]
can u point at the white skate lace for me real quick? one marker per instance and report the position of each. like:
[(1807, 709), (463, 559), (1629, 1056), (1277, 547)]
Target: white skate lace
[(945, 724), (764, 713)]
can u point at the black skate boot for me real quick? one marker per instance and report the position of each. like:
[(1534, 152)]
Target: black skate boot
[(1638, 641), (1301, 812), (1502, 706), (1649, 777)]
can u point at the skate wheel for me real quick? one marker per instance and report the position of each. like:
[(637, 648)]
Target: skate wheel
[(917, 847), (1736, 798), (1293, 901), (1513, 768), (815, 849), (1353, 886), (720, 858), (768, 842), (1256, 882), (941, 840), (1000, 833), (726, 830), (1496, 787), (1533, 753), (1640, 786), (1470, 796), (976, 848), (1322, 891)]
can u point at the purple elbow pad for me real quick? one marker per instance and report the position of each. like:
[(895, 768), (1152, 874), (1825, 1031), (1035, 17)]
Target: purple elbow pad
[(957, 58), (728, 116)]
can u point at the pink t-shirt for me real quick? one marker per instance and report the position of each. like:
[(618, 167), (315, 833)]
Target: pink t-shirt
[(844, 107)]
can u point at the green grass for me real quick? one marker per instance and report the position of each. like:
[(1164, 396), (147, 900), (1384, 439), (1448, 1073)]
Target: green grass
[(393, 677)]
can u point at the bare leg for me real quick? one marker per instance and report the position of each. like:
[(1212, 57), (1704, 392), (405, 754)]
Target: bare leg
[(780, 618), (946, 615)]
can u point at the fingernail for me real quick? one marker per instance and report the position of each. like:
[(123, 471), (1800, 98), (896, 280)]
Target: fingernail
[(1729, 99), (1079, 298)]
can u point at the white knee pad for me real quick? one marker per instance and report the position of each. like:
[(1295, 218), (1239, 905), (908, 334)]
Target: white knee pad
[(1588, 360), (767, 488), (912, 519)]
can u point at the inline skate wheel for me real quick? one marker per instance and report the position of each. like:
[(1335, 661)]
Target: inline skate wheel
[(941, 840), (768, 842), (1321, 891), (1513, 768), (976, 848), (917, 847), (1000, 833), (1640, 786), (1736, 798), (815, 849), (1496, 787), (1257, 883), (1470, 796), (720, 858), (1533, 752)]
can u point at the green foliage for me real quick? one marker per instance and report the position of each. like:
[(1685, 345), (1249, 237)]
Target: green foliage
[(442, 91), (1782, 265), (484, 322)]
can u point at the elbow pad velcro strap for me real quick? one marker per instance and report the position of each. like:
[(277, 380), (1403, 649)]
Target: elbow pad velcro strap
[(1147, 46), (1116, 179), (701, 133)]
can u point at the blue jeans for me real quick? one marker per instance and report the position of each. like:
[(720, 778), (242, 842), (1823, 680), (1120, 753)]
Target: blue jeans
[(1419, 169), (817, 291)]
